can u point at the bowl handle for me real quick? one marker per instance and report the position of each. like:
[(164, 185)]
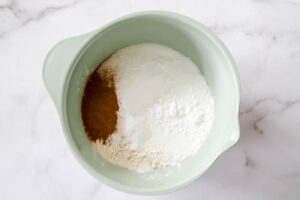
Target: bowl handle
[(57, 64)]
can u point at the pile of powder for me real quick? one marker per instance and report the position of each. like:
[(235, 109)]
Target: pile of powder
[(166, 109)]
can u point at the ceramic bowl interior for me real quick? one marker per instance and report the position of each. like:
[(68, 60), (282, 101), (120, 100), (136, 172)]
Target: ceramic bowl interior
[(194, 41)]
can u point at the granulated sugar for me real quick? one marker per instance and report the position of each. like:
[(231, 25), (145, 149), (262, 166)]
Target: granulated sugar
[(166, 109)]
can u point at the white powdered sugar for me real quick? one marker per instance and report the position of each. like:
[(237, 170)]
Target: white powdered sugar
[(166, 109)]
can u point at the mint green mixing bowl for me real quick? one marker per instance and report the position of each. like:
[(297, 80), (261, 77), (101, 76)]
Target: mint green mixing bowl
[(69, 63)]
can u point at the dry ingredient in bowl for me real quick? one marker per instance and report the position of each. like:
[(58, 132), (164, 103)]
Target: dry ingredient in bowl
[(147, 106)]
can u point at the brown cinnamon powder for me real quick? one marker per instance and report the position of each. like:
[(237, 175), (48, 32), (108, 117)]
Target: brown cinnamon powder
[(99, 107)]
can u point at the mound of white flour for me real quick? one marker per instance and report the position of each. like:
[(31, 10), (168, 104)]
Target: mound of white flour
[(165, 111)]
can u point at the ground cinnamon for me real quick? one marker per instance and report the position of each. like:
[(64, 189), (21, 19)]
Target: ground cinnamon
[(99, 107)]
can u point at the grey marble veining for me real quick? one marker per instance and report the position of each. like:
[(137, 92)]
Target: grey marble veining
[(264, 38)]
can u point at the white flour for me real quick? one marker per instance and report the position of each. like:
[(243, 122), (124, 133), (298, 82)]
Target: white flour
[(165, 108)]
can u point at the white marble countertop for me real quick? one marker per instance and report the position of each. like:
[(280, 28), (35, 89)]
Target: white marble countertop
[(264, 38)]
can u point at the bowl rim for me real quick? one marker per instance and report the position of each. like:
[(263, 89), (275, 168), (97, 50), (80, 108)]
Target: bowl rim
[(64, 119)]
